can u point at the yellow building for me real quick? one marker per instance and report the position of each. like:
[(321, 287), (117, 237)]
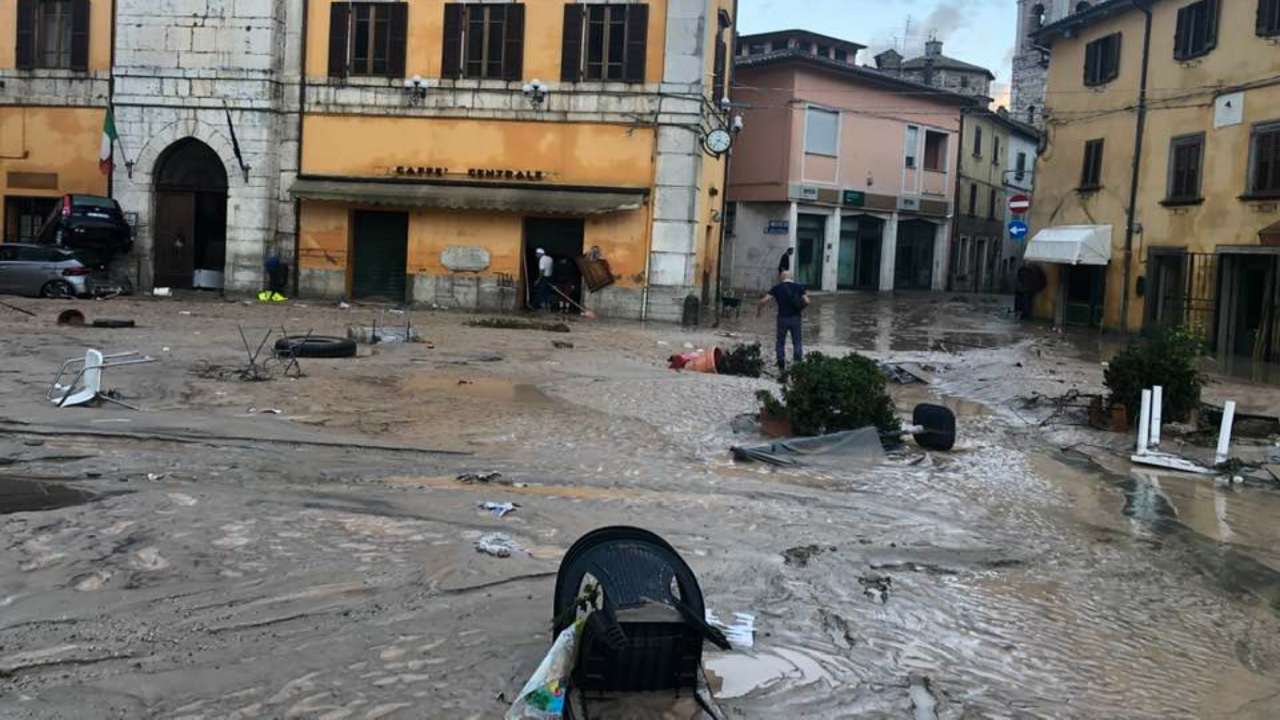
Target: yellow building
[(1159, 186), (55, 65), (444, 143)]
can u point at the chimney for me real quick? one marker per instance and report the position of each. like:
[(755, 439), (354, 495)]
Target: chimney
[(889, 61), (933, 48)]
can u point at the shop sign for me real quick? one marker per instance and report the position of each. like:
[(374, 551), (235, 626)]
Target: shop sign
[(419, 171), (778, 227), (505, 174), (855, 198)]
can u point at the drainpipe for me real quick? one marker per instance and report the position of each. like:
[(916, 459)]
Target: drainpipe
[(724, 186), (111, 96), (1139, 132), (302, 104), (955, 204)]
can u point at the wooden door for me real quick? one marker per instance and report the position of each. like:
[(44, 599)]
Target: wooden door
[(381, 252), (174, 239)]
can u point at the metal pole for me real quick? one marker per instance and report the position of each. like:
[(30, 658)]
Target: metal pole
[(1224, 432), (1139, 133), (1144, 423), (1157, 414)]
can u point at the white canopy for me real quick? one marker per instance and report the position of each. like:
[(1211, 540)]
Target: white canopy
[(1071, 245)]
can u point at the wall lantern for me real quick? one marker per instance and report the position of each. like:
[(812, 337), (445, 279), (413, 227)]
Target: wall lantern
[(536, 92), (416, 89)]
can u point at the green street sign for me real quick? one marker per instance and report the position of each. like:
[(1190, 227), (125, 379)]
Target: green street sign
[(855, 198)]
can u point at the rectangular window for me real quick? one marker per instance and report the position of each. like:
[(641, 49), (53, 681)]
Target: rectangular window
[(52, 34), (1197, 31), (977, 142), (607, 43), (1102, 60), (935, 151), (1186, 156), (995, 149), (912, 145), (822, 132), (483, 42), (24, 216), (1264, 160), (843, 56), (367, 39), (991, 205), (1020, 169), (1091, 174), (973, 200), (1269, 18)]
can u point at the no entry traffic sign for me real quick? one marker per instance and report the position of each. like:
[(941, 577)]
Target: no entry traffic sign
[(1019, 204)]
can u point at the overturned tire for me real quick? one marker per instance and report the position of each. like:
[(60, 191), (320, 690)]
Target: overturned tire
[(315, 346), (940, 427)]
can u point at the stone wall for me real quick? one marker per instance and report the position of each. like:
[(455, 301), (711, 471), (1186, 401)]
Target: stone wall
[(181, 66), (1030, 70)]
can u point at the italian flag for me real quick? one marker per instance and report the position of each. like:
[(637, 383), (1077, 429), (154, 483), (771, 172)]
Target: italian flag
[(109, 137)]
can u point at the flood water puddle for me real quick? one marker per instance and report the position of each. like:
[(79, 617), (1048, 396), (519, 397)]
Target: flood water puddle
[(19, 495), (743, 673)]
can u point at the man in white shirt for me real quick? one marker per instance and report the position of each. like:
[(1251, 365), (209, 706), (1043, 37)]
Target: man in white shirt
[(542, 288)]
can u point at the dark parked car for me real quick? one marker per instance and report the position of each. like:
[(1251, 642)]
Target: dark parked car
[(92, 226), (44, 271)]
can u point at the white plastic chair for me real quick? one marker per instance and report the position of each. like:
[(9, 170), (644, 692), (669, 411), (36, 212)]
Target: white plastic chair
[(86, 386)]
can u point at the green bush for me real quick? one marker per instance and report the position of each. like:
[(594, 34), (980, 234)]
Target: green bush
[(1167, 358), (743, 361), (822, 394)]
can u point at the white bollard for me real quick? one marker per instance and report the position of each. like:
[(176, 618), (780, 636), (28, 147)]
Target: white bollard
[(1157, 414), (1224, 433), (1144, 423)]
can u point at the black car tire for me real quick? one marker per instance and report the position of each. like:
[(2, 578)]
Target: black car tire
[(315, 346), (57, 289)]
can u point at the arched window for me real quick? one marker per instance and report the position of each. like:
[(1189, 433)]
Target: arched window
[(1037, 16)]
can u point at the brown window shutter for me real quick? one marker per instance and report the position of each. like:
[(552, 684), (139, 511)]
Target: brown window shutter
[(399, 27), (80, 35), (339, 26), (637, 42), (718, 75), (513, 58), (451, 60), (571, 48), (26, 39)]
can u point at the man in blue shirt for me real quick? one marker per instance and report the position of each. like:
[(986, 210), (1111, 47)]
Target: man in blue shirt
[(792, 298)]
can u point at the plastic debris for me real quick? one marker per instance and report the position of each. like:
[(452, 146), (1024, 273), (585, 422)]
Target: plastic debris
[(162, 292), (498, 509), (741, 634), (543, 697), (497, 545), (470, 478)]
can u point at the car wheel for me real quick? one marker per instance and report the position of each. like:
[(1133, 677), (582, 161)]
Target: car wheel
[(315, 346), (57, 289)]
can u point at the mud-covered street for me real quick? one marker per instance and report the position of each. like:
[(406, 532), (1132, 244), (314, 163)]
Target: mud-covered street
[(207, 557)]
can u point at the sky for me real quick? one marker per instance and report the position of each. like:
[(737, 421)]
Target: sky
[(977, 31)]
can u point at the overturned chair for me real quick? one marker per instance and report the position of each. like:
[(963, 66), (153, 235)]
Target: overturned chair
[(86, 385), (646, 619)]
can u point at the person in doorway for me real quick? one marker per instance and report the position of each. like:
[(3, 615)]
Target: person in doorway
[(784, 263), (792, 298), (542, 288)]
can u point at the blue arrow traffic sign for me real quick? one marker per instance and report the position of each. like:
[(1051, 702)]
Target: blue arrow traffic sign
[(1018, 229)]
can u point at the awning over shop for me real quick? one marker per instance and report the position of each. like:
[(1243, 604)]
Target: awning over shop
[(470, 197), (1071, 245)]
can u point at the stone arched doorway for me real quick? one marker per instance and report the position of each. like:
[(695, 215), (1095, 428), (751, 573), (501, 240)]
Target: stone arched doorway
[(190, 236)]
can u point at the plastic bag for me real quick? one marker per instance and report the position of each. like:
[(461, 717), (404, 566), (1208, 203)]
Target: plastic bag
[(543, 697)]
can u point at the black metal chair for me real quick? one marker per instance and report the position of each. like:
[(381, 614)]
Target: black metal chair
[(647, 621)]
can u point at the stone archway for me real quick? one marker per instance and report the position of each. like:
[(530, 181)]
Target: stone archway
[(189, 234)]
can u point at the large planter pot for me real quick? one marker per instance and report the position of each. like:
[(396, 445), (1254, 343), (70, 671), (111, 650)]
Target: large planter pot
[(775, 426)]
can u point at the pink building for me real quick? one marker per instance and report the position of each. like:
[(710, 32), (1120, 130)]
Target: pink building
[(852, 167)]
